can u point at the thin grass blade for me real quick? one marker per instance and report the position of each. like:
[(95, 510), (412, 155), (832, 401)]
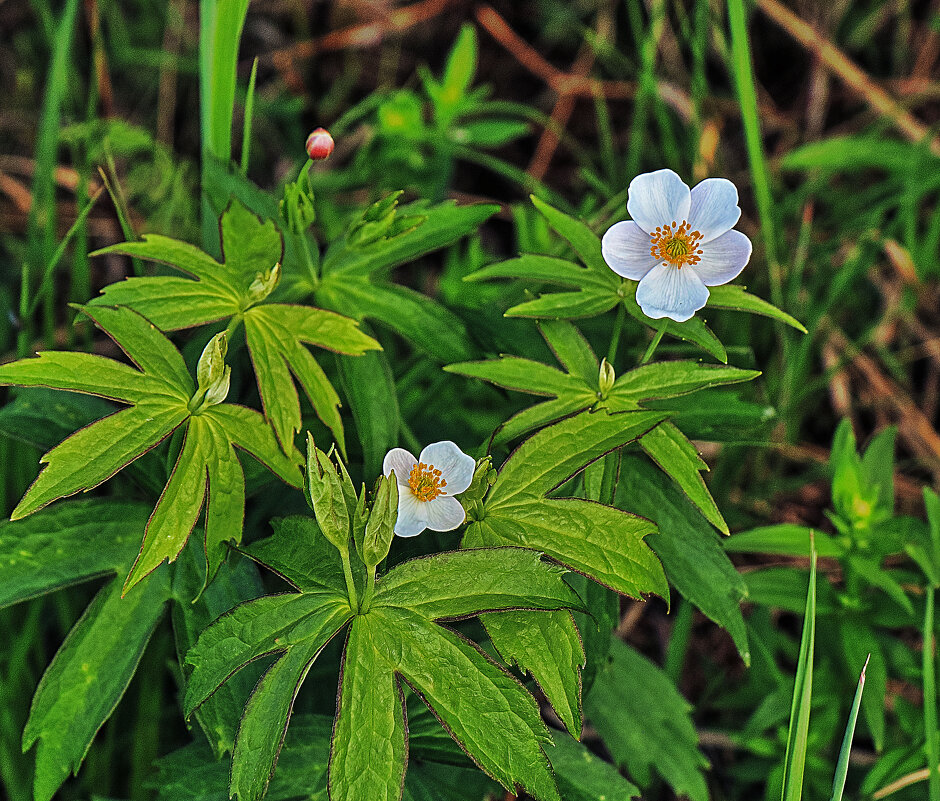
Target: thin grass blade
[(795, 762), (842, 766)]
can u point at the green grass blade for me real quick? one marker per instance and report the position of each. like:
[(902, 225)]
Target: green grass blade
[(930, 701), (760, 175), (842, 767), (249, 116), (220, 29), (41, 222), (45, 285), (795, 761)]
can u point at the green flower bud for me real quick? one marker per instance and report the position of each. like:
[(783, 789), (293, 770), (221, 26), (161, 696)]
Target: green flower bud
[(213, 374), (380, 527), (606, 378), (324, 490), (296, 207), (264, 284), (484, 476), (360, 516)]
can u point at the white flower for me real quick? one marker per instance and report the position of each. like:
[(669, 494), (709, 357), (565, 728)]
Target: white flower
[(426, 487), (678, 243)]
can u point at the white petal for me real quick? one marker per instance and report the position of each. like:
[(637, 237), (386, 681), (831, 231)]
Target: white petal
[(626, 249), (412, 514), (444, 513), (723, 258), (401, 461), (658, 198), (673, 292), (455, 466), (714, 208)]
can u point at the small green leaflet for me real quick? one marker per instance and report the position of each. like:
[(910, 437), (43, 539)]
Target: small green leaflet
[(237, 287), (650, 730), (396, 639), (578, 389), (599, 541), (158, 394)]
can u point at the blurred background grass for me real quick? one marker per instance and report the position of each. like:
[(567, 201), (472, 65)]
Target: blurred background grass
[(825, 115)]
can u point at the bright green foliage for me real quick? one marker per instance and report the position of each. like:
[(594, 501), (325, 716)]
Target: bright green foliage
[(369, 750), (88, 676), (649, 730), (159, 395), (354, 272), (599, 541), (579, 388), (396, 638), (594, 288), (195, 608), (238, 287), (548, 646), (67, 544), (582, 776), (691, 552)]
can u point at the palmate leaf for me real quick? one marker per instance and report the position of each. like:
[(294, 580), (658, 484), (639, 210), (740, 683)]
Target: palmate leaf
[(277, 333), (353, 281), (590, 290), (692, 554), (88, 676), (599, 541), (578, 389), (159, 395), (395, 639), (594, 288), (650, 730), (59, 546)]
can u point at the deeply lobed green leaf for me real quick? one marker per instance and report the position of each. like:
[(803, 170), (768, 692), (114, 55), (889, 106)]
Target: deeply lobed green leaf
[(266, 625)]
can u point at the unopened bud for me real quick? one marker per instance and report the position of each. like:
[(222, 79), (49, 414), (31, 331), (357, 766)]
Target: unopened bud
[(606, 378), (320, 144), (212, 373), (324, 491), (264, 284), (380, 527)]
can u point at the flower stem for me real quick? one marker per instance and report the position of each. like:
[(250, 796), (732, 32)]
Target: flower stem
[(350, 584), (663, 325), (232, 326), (615, 336), (367, 595)]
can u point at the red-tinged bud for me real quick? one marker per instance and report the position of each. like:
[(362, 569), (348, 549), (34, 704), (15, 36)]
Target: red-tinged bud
[(319, 144)]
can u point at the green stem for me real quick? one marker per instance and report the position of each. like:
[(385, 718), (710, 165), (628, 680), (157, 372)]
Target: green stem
[(367, 595), (232, 326), (350, 584), (615, 336), (663, 325)]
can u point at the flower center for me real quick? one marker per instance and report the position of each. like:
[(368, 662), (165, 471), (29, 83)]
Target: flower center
[(426, 482), (677, 244)]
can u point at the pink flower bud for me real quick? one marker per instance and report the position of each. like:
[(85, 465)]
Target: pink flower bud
[(319, 144)]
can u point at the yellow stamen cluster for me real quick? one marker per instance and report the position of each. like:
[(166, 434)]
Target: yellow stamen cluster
[(426, 482), (677, 244)]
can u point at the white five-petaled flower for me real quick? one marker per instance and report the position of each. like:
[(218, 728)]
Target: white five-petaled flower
[(678, 243), (426, 487)]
